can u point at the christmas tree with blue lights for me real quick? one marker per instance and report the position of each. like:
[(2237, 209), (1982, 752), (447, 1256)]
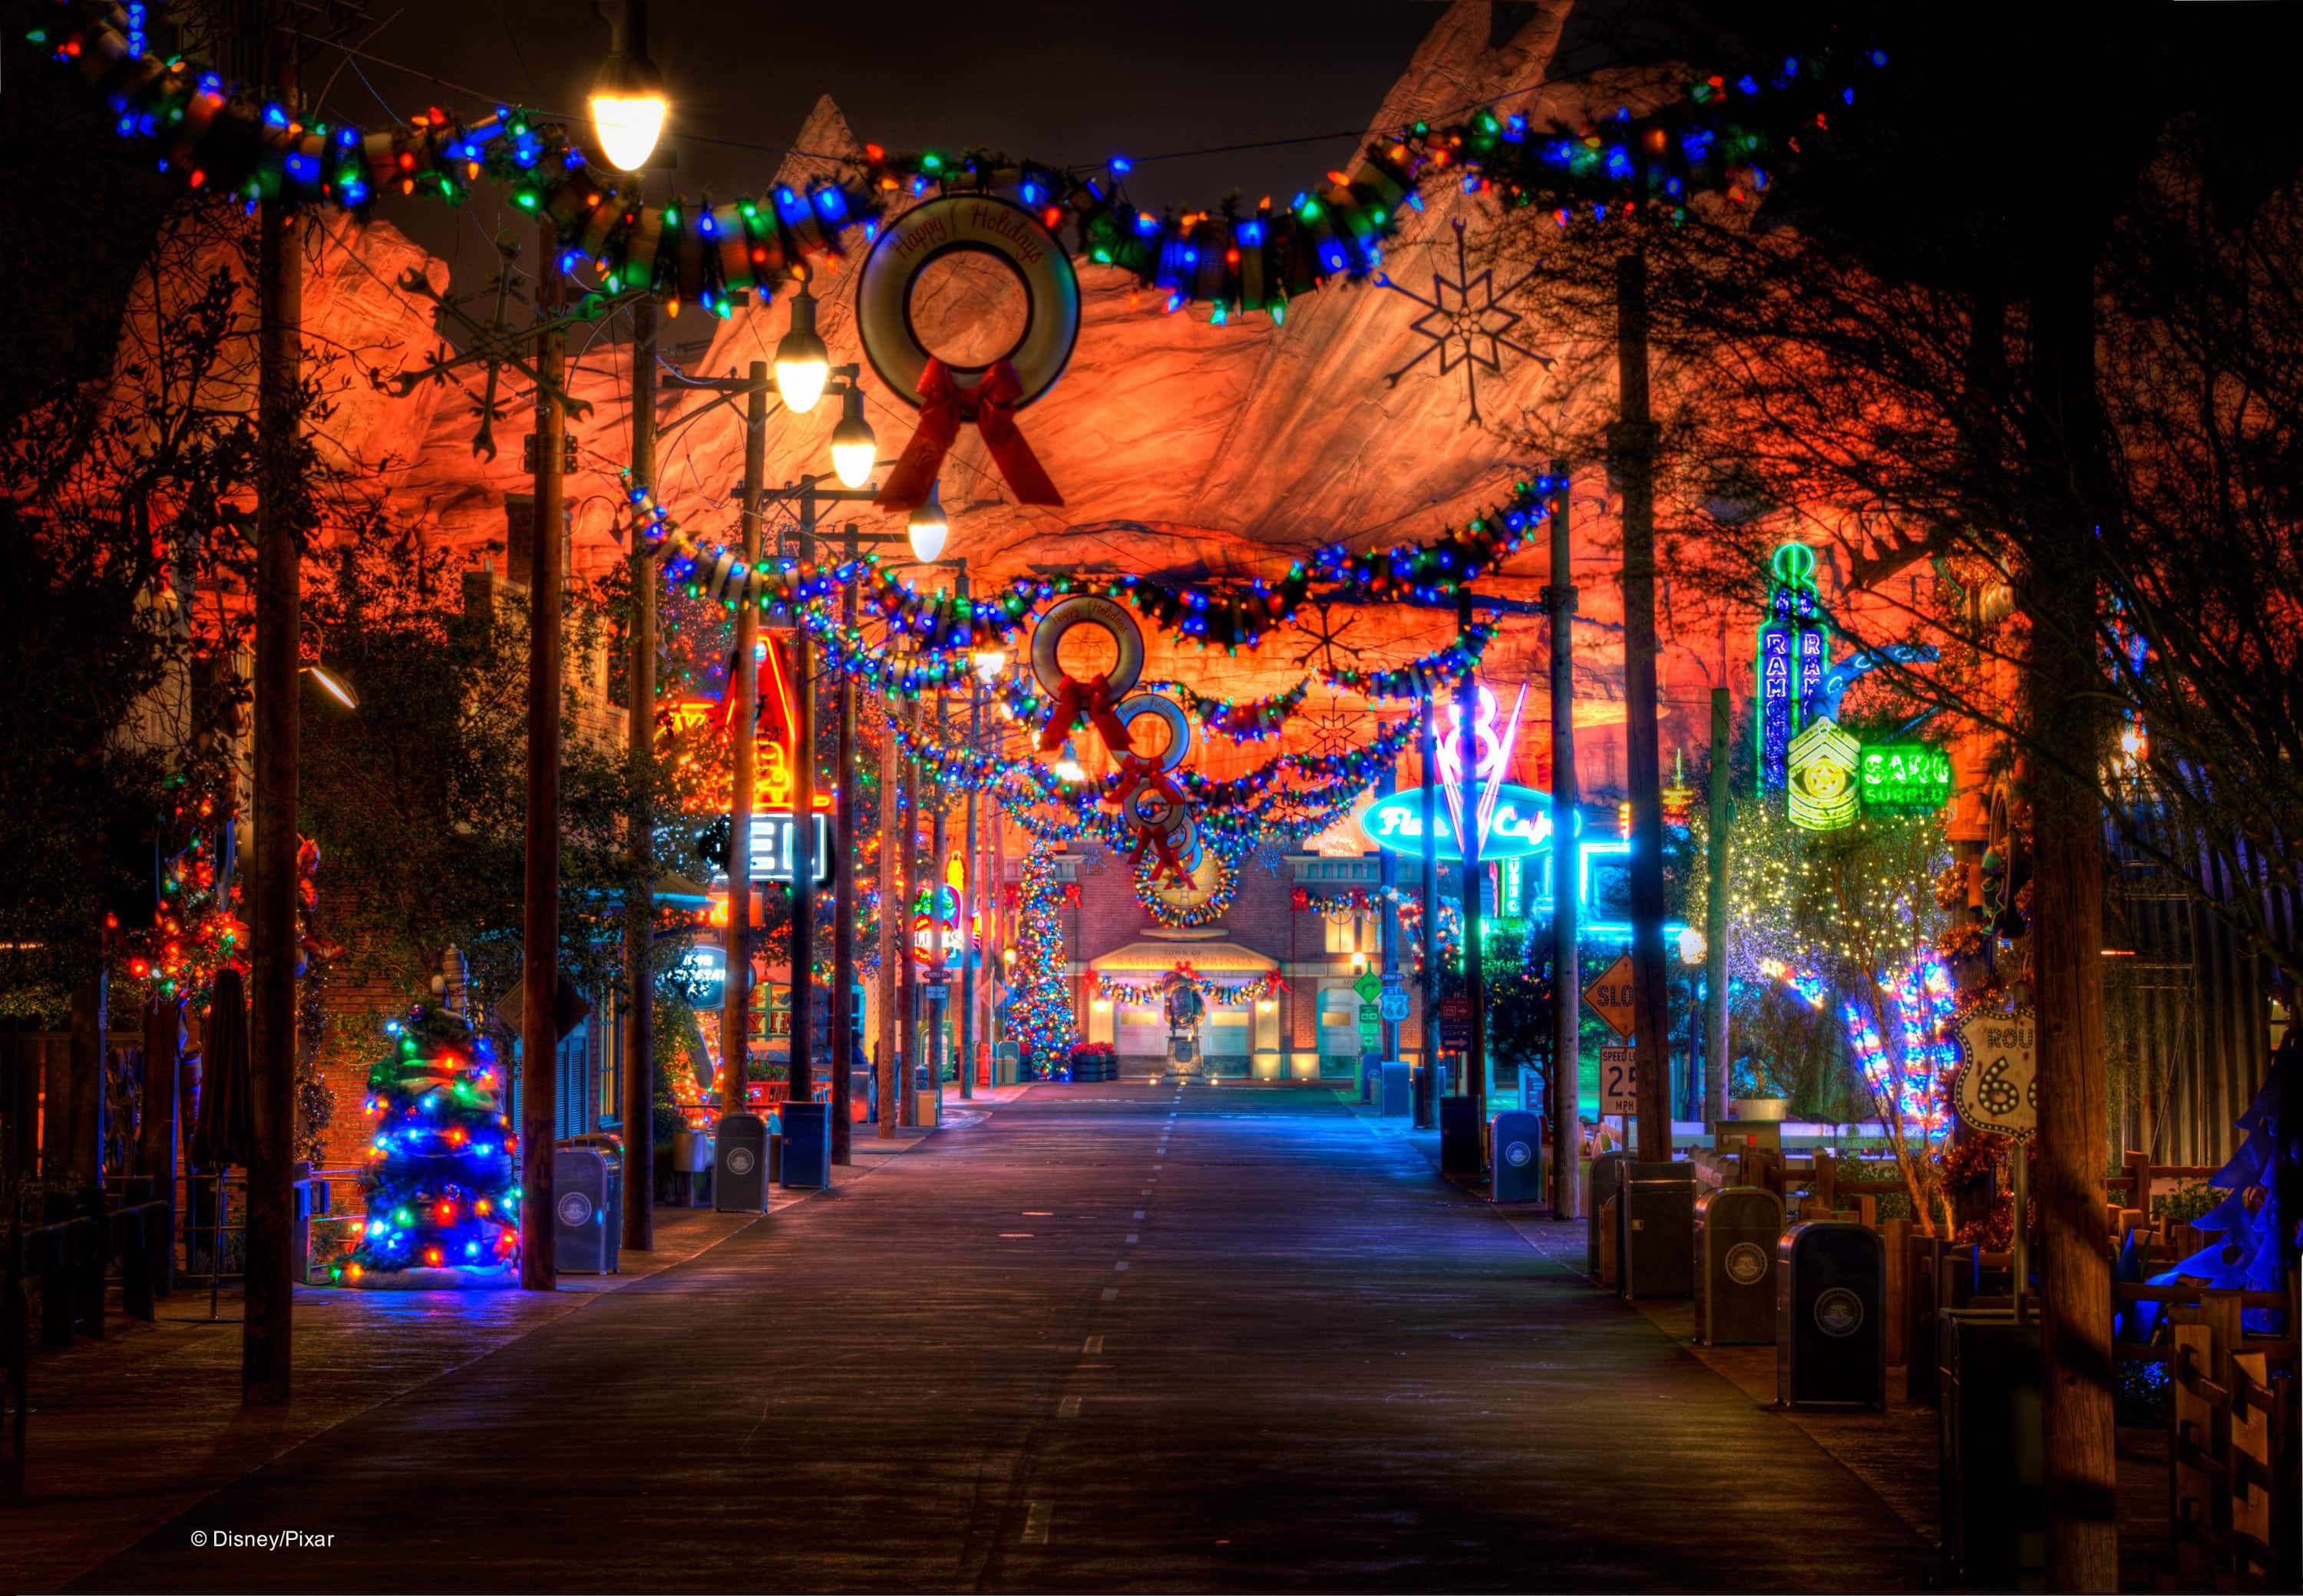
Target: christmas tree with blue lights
[(441, 1179)]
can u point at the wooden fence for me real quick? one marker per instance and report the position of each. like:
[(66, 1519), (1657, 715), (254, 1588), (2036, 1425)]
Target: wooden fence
[(2232, 1427)]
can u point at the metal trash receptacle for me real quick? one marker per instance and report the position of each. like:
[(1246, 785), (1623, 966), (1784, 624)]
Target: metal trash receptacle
[(1736, 1229), (807, 1144), (1831, 1292), (1992, 1442), (1606, 1178), (1459, 1137), (1516, 1137), (1396, 1089), (586, 1217), (739, 1167), (1655, 1221)]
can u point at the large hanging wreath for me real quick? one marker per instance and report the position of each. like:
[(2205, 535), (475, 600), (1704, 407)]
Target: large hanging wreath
[(1157, 896)]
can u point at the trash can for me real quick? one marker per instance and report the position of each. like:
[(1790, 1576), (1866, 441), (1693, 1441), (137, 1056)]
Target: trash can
[(1655, 1234), (586, 1209), (1830, 1291), (1992, 1464), (1606, 1178), (807, 1144), (739, 1169), (1459, 1137), (1735, 1234), (1396, 1090), (1517, 1135)]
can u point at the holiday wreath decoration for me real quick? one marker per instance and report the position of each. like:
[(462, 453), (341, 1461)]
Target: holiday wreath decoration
[(1094, 697), (947, 395)]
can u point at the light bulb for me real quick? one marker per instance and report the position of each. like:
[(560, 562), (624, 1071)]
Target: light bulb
[(989, 662), (1068, 764), (854, 447), (627, 128), (929, 527), (803, 363), (627, 107)]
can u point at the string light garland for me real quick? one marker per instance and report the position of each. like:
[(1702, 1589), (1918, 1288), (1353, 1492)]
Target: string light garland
[(1432, 571), (1141, 994), (1443, 667), (1720, 137), (1246, 720)]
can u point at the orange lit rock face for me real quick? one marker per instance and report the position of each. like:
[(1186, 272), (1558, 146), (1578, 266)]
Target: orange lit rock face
[(1181, 448)]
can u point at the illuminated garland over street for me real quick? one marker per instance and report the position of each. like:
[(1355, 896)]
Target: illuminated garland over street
[(1428, 573), (1145, 993), (1248, 721), (1415, 678), (1718, 139)]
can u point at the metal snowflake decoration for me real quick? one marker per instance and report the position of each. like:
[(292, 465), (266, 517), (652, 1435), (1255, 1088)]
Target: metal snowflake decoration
[(495, 344), (1467, 323), (1322, 637), (1334, 731)]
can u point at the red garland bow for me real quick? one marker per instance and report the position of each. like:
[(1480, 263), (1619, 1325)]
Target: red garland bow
[(945, 406), (1092, 698), (1137, 772), (1163, 848)]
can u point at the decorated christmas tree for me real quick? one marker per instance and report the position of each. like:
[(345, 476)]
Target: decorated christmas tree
[(443, 1205), (1039, 1008)]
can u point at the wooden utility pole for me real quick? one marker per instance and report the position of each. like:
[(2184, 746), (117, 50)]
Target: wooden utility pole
[(2064, 697), (1715, 912), (890, 910), (844, 1017), (267, 1329), (159, 1129), (743, 730), (1566, 874), (1643, 750), (1427, 749), (966, 908), (939, 848), (802, 1073), (907, 886), (639, 695), (1467, 705), (539, 1031)]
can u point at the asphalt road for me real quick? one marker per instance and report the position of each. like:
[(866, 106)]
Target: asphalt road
[(1110, 1338)]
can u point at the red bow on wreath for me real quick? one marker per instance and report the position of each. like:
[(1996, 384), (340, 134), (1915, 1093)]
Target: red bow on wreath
[(1162, 845), (1136, 771), (1092, 698), (944, 406)]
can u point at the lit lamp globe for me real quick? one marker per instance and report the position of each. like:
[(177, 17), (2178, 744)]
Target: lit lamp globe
[(929, 527), (989, 662), (854, 447), (1068, 765), (627, 110), (803, 363)]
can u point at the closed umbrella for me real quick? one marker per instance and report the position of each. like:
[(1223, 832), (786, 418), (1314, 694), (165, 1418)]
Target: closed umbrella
[(224, 1133)]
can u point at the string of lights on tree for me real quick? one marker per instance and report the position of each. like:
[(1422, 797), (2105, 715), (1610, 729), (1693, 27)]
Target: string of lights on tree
[(1719, 138), (442, 1205), (1039, 1006)]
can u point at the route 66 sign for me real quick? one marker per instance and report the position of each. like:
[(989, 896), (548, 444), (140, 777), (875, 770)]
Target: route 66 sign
[(1998, 1086)]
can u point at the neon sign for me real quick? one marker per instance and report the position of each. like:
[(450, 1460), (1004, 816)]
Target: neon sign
[(1519, 823), (1822, 785), (1905, 778), (1794, 653)]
